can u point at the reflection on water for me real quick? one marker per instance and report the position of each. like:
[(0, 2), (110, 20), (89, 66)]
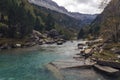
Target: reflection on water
[(29, 63)]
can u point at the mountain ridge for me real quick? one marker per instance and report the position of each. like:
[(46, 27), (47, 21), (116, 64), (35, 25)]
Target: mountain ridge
[(49, 4)]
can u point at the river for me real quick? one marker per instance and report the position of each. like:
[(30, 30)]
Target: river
[(30, 63)]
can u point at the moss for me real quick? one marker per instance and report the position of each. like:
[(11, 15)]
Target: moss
[(112, 45), (105, 55)]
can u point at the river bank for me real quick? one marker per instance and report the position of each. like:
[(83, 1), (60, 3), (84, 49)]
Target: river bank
[(36, 38), (106, 59)]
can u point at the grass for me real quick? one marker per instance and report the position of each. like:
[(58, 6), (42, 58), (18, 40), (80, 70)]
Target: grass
[(112, 45), (106, 55)]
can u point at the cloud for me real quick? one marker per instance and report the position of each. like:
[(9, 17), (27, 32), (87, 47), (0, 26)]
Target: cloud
[(82, 6)]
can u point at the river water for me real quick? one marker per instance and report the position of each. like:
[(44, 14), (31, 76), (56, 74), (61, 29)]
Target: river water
[(30, 64)]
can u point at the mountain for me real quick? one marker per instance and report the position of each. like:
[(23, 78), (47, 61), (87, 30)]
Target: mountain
[(49, 4), (107, 24)]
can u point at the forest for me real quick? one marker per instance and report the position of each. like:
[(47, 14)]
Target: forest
[(18, 18)]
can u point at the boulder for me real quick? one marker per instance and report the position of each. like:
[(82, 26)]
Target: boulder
[(29, 44), (53, 33), (5, 46), (18, 45), (59, 43), (118, 56), (49, 41), (41, 41), (117, 51), (38, 34)]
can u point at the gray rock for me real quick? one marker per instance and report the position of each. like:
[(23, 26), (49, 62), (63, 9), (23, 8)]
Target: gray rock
[(53, 33), (117, 51), (5, 46)]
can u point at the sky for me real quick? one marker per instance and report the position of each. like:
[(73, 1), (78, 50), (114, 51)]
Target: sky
[(82, 6)]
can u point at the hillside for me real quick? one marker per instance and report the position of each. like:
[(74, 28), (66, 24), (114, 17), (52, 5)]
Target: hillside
[(107, 24), (61, 19), (51, 5), (18, 18)]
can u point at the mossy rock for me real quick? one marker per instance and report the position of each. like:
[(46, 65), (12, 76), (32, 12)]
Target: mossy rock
[(105, 55)]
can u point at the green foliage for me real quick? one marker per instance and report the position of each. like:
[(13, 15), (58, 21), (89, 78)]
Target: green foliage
[(106, 55), (21, 18), (84, 32), (38, 26), (3, 29), (2, 25), (66, 32), (81, 34), (49, 24)]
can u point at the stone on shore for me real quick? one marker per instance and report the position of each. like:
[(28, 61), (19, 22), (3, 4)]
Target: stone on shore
[(72, 63), (109, 63), (88, 51), (108, 70), (18, 45), (59, 43)]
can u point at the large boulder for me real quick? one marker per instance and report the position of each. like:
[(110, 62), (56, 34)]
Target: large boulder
[(38, 34), (53, 33)]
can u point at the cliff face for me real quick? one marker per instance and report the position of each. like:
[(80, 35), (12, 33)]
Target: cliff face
[(107, 24)]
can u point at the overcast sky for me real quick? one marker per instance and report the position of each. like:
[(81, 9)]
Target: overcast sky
[(82, 6)]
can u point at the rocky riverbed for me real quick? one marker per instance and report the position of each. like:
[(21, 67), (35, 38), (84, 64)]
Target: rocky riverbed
[(104, 55), (86, 59), (36, 38)]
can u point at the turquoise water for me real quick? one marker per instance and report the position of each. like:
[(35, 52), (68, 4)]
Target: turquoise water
[(30, 63)]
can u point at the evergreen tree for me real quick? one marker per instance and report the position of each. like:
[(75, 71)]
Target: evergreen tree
[(38, 26), (49, 23), (81, 34)]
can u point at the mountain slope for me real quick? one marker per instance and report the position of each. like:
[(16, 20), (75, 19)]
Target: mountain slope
[(61, 19), (48, 4), (18, 18), (107, 24), (85, 18)]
